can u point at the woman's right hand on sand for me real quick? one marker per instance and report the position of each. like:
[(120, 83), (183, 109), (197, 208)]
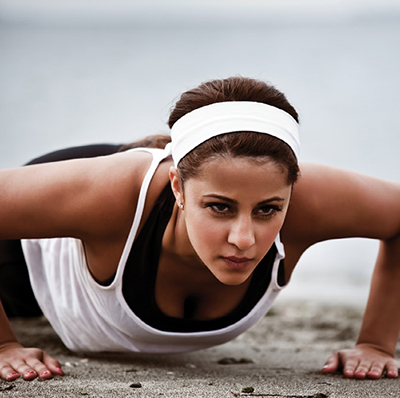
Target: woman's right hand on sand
[(16, 361)]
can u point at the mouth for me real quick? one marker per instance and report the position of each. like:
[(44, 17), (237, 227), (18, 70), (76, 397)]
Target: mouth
[(237, 263)]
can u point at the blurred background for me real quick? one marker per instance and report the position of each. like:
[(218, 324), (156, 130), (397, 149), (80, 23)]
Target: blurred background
[(74, 72)]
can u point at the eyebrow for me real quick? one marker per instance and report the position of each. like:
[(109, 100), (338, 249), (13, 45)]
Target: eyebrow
[(233, 201)]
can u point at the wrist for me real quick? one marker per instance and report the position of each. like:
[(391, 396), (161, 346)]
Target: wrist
[(374, 346), (9, 344)]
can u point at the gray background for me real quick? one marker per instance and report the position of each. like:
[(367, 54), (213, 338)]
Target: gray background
[(109, 71)]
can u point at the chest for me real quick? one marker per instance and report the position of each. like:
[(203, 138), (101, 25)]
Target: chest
[(184, 292)]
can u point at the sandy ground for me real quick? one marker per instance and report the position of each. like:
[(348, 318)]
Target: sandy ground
[(280, 357)]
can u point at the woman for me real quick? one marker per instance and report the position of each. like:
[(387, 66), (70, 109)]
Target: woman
[(157, 254)]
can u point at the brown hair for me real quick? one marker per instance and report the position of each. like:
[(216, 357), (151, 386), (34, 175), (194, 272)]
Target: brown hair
[(244, 144), (251, 145), (152, 141)]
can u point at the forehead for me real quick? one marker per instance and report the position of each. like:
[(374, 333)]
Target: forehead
[(240, 177)]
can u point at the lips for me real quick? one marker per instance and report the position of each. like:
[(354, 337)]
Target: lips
[(238, 263)]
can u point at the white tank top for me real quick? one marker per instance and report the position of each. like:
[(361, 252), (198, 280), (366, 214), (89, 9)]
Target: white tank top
[(90, 317)]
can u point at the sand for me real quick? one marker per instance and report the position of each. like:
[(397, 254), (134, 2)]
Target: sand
[(279, 357)]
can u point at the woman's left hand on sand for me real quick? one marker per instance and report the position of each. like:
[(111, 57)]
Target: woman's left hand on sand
[(363, 361)]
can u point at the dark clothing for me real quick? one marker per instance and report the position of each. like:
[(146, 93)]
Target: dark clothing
[(16, 293), (77, 152)]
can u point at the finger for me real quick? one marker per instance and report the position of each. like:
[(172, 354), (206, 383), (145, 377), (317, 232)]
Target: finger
[(53, 365), (364, 367), (392, 369), (332, 364), (350, 367), (8, 373), (376, 370), (11, 376), (24, 370), (40, 368)]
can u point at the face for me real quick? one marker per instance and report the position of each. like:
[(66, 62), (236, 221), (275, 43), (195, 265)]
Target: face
[(233, 211)]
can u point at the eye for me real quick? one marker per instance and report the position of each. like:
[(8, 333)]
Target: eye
[(219, 208), (267, 211)]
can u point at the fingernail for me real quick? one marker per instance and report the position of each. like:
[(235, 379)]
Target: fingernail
[(12, 374), (60, 370), (45, 373)]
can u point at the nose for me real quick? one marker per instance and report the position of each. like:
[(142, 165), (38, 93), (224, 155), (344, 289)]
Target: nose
[(241, 233)]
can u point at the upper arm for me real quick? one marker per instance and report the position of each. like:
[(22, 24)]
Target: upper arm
[(77, 198), (329, 203)]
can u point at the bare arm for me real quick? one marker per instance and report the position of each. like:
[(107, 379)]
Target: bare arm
[(78, 198), (376, 344), (385, 306), (331, 203), (90, 199)]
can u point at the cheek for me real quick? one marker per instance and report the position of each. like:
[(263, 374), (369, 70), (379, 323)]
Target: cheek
[(208, 238), (266, 234), (265, 239), (204, 232), (272, 228)]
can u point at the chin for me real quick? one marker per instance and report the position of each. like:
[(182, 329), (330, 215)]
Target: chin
[(233, 280)]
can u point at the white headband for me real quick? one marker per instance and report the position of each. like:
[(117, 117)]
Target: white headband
[(219, 118)]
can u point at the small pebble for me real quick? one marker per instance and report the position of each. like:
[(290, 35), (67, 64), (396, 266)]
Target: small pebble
[(131, 370), (248, 390), (234, 361), (136, 385), (8, 388)]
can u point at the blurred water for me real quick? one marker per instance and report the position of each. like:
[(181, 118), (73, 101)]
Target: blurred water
[(67, 82)]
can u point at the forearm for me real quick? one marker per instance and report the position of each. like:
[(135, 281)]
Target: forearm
[(6, 333), (381, 323)]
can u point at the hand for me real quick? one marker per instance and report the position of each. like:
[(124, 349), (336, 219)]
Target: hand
[(363, 361), (16, 361)]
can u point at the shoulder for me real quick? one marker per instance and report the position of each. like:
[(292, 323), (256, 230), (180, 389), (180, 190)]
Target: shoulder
[(78, 198), (120, 179), (109, 193), (124, 177), (330, 203)]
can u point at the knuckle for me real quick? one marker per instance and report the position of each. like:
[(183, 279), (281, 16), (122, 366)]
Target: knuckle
[(21, 368), (33, 353), (364, 365), (351, 363), (33, 362), (377, 365), (5, 369)]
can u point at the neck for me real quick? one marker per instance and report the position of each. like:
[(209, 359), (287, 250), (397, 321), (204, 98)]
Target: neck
[(176, 242)]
